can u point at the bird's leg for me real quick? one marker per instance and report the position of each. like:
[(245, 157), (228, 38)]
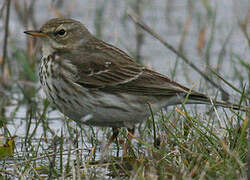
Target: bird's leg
[(127, 145), (112, 138)]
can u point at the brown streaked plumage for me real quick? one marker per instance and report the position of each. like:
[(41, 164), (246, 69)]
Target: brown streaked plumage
[(95, 83)]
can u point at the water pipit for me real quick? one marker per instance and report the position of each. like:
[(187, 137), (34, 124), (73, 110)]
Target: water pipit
[(95, 83)]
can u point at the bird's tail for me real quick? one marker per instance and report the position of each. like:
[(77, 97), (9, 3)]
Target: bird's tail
[(198, 98)]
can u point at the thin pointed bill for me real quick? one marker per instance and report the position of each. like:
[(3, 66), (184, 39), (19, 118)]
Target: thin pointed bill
[(36, 33)]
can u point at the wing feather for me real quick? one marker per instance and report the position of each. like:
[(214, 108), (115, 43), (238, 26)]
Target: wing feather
[(111, 69)]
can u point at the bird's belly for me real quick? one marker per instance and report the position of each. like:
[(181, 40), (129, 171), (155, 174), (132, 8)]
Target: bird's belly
[(93, 107), (115, 111)]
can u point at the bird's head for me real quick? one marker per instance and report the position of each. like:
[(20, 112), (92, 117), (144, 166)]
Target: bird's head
[(61, 34)]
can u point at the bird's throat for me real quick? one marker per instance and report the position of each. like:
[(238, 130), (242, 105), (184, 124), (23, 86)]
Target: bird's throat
[(47, 49)]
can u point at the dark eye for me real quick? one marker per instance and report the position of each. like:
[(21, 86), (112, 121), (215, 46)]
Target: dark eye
[(62, 32)]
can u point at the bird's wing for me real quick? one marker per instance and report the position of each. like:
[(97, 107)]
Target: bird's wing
[(103, 72), (153, 83), (112, 70), (117, 72)]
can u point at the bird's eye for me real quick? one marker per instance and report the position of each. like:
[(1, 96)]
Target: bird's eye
[(62, 32)]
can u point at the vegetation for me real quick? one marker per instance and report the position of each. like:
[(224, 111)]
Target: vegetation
[(182, 142)]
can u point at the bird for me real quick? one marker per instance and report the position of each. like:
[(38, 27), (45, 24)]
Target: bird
[(97, 84)]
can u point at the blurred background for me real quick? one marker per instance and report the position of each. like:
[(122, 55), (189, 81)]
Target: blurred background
[(211, 33)]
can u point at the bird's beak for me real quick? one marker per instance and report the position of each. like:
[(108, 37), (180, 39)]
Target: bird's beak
[(36, 33)]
